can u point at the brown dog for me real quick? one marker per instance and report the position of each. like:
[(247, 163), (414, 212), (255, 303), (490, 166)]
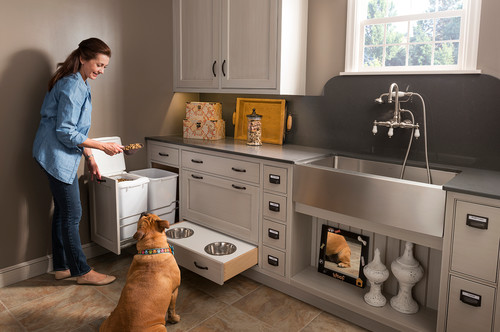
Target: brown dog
[(337, 250), (152, 283)]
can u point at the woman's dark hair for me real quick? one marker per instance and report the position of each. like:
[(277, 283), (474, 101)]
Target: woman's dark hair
[(88, 50)]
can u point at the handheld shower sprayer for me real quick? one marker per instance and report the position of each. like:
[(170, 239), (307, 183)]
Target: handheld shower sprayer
[(396, 121)]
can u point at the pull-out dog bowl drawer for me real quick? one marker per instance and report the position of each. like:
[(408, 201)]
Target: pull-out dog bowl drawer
[(224, 258)]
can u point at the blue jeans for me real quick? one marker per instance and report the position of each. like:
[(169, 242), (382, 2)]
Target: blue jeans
[(67, 250)]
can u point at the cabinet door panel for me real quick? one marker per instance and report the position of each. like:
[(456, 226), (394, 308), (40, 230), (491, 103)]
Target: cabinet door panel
[(227, 206), (196, 43), (249, 43)]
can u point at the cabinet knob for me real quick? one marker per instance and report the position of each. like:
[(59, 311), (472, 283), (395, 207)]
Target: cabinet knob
[(163, 154), (239, 187), (197, 161)]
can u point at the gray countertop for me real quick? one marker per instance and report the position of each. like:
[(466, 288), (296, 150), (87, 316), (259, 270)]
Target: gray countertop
[(288, 153), (469, 181)]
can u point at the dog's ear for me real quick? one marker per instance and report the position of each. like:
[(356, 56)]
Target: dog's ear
[(139, 234), (163, 224)]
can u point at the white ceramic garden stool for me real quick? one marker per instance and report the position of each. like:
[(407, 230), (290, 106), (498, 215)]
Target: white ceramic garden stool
[(408, 272), (377, 273)]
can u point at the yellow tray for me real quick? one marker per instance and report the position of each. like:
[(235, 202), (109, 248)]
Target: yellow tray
[(273, 113)]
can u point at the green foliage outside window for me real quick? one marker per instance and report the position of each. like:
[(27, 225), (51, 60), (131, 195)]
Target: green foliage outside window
[(426, 42)]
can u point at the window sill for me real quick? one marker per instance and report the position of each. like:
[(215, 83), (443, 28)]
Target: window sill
[(408, 72)]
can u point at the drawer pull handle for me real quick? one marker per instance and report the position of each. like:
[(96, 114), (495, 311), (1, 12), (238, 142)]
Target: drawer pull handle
[(163, 154), (477, 221), (241, 170), (273, 206), (197, 161), (273, 178), (470, 298), (239, 187), (273, 234), (200, 267), (198, 177), (274, 261)]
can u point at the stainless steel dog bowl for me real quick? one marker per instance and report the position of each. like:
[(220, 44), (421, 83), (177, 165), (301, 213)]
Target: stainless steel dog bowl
[(220, 248), (179, 233)]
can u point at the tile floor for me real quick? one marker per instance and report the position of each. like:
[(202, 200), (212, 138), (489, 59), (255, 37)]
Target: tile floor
[(44, 304)]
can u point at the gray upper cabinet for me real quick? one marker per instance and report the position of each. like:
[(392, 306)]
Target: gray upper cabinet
[(240, 46)]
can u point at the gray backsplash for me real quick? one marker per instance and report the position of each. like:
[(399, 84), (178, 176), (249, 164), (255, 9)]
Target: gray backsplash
[(463, 117)]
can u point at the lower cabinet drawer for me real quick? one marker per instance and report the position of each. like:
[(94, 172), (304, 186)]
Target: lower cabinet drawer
[(476, 230), (189, 252), (470, 306), (274, 234), (274, 207), (273, 260), (163, 154)]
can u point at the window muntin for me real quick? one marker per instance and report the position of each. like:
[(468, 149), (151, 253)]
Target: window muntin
[(412, 35)]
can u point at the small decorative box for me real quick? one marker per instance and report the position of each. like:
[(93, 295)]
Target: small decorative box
[(204, 129), (196, 111)]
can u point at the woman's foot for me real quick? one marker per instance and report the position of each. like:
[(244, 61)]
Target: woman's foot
[(95, 278), (59, 275)]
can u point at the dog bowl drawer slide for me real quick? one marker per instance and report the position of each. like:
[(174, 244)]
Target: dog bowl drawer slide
[(202, 253)]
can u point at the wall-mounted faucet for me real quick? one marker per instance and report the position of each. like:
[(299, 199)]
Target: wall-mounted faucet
[(396, 121)]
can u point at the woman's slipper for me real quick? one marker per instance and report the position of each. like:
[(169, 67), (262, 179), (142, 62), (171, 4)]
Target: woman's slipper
[(107, 280), (60, 275)]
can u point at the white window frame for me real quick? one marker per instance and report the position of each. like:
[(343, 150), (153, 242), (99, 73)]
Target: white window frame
[(467, 57)]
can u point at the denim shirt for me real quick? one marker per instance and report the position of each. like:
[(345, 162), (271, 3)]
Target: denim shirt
[(65, 123)]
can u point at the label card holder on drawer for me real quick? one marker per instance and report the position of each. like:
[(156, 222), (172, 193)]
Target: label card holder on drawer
[(477, 221)]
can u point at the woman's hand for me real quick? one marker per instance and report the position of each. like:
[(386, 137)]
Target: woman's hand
[(93, 169), (112, 148)]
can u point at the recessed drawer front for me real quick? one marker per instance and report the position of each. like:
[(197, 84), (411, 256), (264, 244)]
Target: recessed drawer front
[(274, 207), (470, 306), (274, 234), (227, 167), (476, 240), (273, 260), (163, 154), (275, 179)]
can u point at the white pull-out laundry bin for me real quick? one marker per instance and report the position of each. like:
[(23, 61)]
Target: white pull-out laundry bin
[(117, 201), (162, 192)]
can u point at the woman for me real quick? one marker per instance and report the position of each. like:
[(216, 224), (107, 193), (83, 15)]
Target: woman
[(60, 141)]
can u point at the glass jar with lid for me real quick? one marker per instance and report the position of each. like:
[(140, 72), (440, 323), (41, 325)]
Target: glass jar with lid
[(254, 134)]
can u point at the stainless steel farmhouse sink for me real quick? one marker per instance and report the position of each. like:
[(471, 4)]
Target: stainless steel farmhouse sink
[(373, 191)]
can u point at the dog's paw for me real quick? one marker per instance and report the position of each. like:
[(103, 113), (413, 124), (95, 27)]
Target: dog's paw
[(173, 318), (344, 265)]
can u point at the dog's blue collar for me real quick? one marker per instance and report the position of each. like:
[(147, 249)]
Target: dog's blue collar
[(154, 251)]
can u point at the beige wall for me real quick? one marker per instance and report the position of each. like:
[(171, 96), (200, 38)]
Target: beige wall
[(132, 100)]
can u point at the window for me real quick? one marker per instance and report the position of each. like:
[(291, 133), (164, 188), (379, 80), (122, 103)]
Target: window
[(419, 36)]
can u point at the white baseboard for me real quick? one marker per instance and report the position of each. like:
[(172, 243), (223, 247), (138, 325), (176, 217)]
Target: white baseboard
[(25, 270)]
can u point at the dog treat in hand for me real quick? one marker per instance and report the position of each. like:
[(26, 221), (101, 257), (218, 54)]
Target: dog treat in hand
[(132, 148)]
